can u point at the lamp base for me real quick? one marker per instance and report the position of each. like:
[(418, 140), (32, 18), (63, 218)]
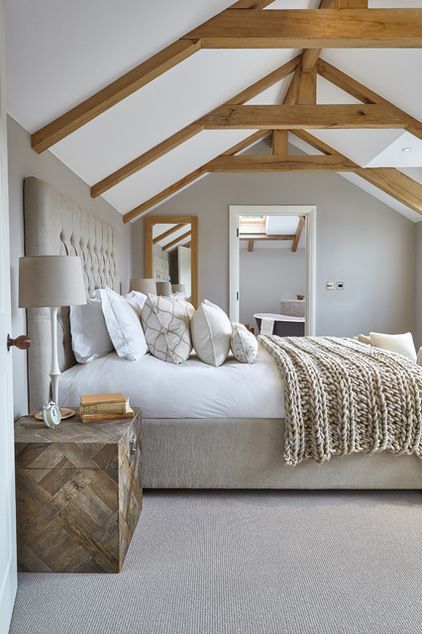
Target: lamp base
[(64, 411)]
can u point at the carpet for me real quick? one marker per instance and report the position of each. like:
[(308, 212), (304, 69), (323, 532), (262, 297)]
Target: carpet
[(247, 563)]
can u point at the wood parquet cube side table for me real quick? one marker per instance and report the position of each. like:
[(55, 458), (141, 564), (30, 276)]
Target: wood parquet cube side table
[(78, 493)]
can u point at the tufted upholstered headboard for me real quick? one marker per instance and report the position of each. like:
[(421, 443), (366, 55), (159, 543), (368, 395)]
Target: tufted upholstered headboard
[(55, 225)]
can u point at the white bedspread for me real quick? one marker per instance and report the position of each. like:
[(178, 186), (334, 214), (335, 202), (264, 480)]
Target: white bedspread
[(190, 390)]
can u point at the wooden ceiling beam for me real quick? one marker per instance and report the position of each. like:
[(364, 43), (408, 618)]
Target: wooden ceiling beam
[(289, 117), (112, 94), (248, 28), (300, 225), (393, 182), (167, 233), (181, 136), (363, 93), (173, 243), (312, 28), (271, 163), (191, 130), (126, 85), (146, 206), (396, 184)]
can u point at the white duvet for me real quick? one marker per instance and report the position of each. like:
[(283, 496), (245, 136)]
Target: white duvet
[(190, 390)]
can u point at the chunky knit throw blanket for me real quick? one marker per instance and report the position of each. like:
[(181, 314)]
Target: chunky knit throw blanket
[(343, 397)]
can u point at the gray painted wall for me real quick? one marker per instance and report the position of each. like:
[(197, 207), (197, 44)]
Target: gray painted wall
[(284, 276), (418, 285), (23, 161), (360, 241)]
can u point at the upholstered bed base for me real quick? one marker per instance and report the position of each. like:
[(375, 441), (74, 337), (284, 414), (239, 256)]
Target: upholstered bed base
[(247, 454)]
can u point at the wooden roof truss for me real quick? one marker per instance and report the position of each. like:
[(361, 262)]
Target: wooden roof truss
[(336, 24)]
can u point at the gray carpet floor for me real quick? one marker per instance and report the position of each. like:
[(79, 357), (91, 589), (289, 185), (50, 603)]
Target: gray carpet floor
[(247, 563)]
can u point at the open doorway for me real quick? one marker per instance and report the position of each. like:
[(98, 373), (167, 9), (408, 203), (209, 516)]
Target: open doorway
[(272, 252)]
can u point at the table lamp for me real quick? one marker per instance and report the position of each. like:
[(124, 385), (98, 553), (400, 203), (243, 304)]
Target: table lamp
[(144, 285), (164, 288), (51, 281)]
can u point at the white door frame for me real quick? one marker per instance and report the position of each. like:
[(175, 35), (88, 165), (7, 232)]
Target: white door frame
[(309, 211)]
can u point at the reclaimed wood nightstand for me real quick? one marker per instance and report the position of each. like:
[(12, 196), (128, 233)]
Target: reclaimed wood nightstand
[(78, 493)]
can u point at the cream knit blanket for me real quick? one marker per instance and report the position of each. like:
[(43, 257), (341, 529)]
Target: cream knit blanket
[(343, 397)]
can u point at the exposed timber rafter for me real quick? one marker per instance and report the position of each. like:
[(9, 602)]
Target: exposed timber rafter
[(191, 130), (177, 240), (243, 26), (391, 181), (363, 93), (125, 85), (193, 176), (387, 179), (110, 95), (166, 234)]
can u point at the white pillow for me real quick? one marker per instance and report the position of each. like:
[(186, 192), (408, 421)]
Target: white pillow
[(244, 344), (211, 332), (137, 300), (401, 344), (166, 323), (419, 359), (90, 338), (123, 325)]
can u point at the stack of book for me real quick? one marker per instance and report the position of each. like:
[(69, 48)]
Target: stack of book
[(98, 407)]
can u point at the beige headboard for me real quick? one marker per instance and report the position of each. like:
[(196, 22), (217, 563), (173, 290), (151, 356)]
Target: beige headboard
[(55, 225)]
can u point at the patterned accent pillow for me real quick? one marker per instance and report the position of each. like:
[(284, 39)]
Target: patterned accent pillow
[(244, 344), (166, 322)]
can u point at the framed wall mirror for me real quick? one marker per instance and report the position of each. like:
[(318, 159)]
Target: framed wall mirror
[(171, 254)]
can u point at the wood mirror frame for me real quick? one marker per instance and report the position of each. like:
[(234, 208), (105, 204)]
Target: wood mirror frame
[(150, 222)]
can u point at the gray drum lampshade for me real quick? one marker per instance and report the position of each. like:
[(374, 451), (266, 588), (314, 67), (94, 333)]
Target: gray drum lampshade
[(164, 288), (178, 288), (51, 281), (143, 285)]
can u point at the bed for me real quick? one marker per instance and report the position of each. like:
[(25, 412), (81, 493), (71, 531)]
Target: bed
[(203, 427)]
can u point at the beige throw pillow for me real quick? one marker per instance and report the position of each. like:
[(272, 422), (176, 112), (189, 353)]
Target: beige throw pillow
[(400, 344), (211, 333), (166, 323), (244, 344), (419, 359), (365, 339)]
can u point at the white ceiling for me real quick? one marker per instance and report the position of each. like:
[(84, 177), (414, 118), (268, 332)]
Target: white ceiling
[(60, 52)]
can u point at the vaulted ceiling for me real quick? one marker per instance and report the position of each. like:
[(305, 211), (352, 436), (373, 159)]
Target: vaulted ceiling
[(59, 53)]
